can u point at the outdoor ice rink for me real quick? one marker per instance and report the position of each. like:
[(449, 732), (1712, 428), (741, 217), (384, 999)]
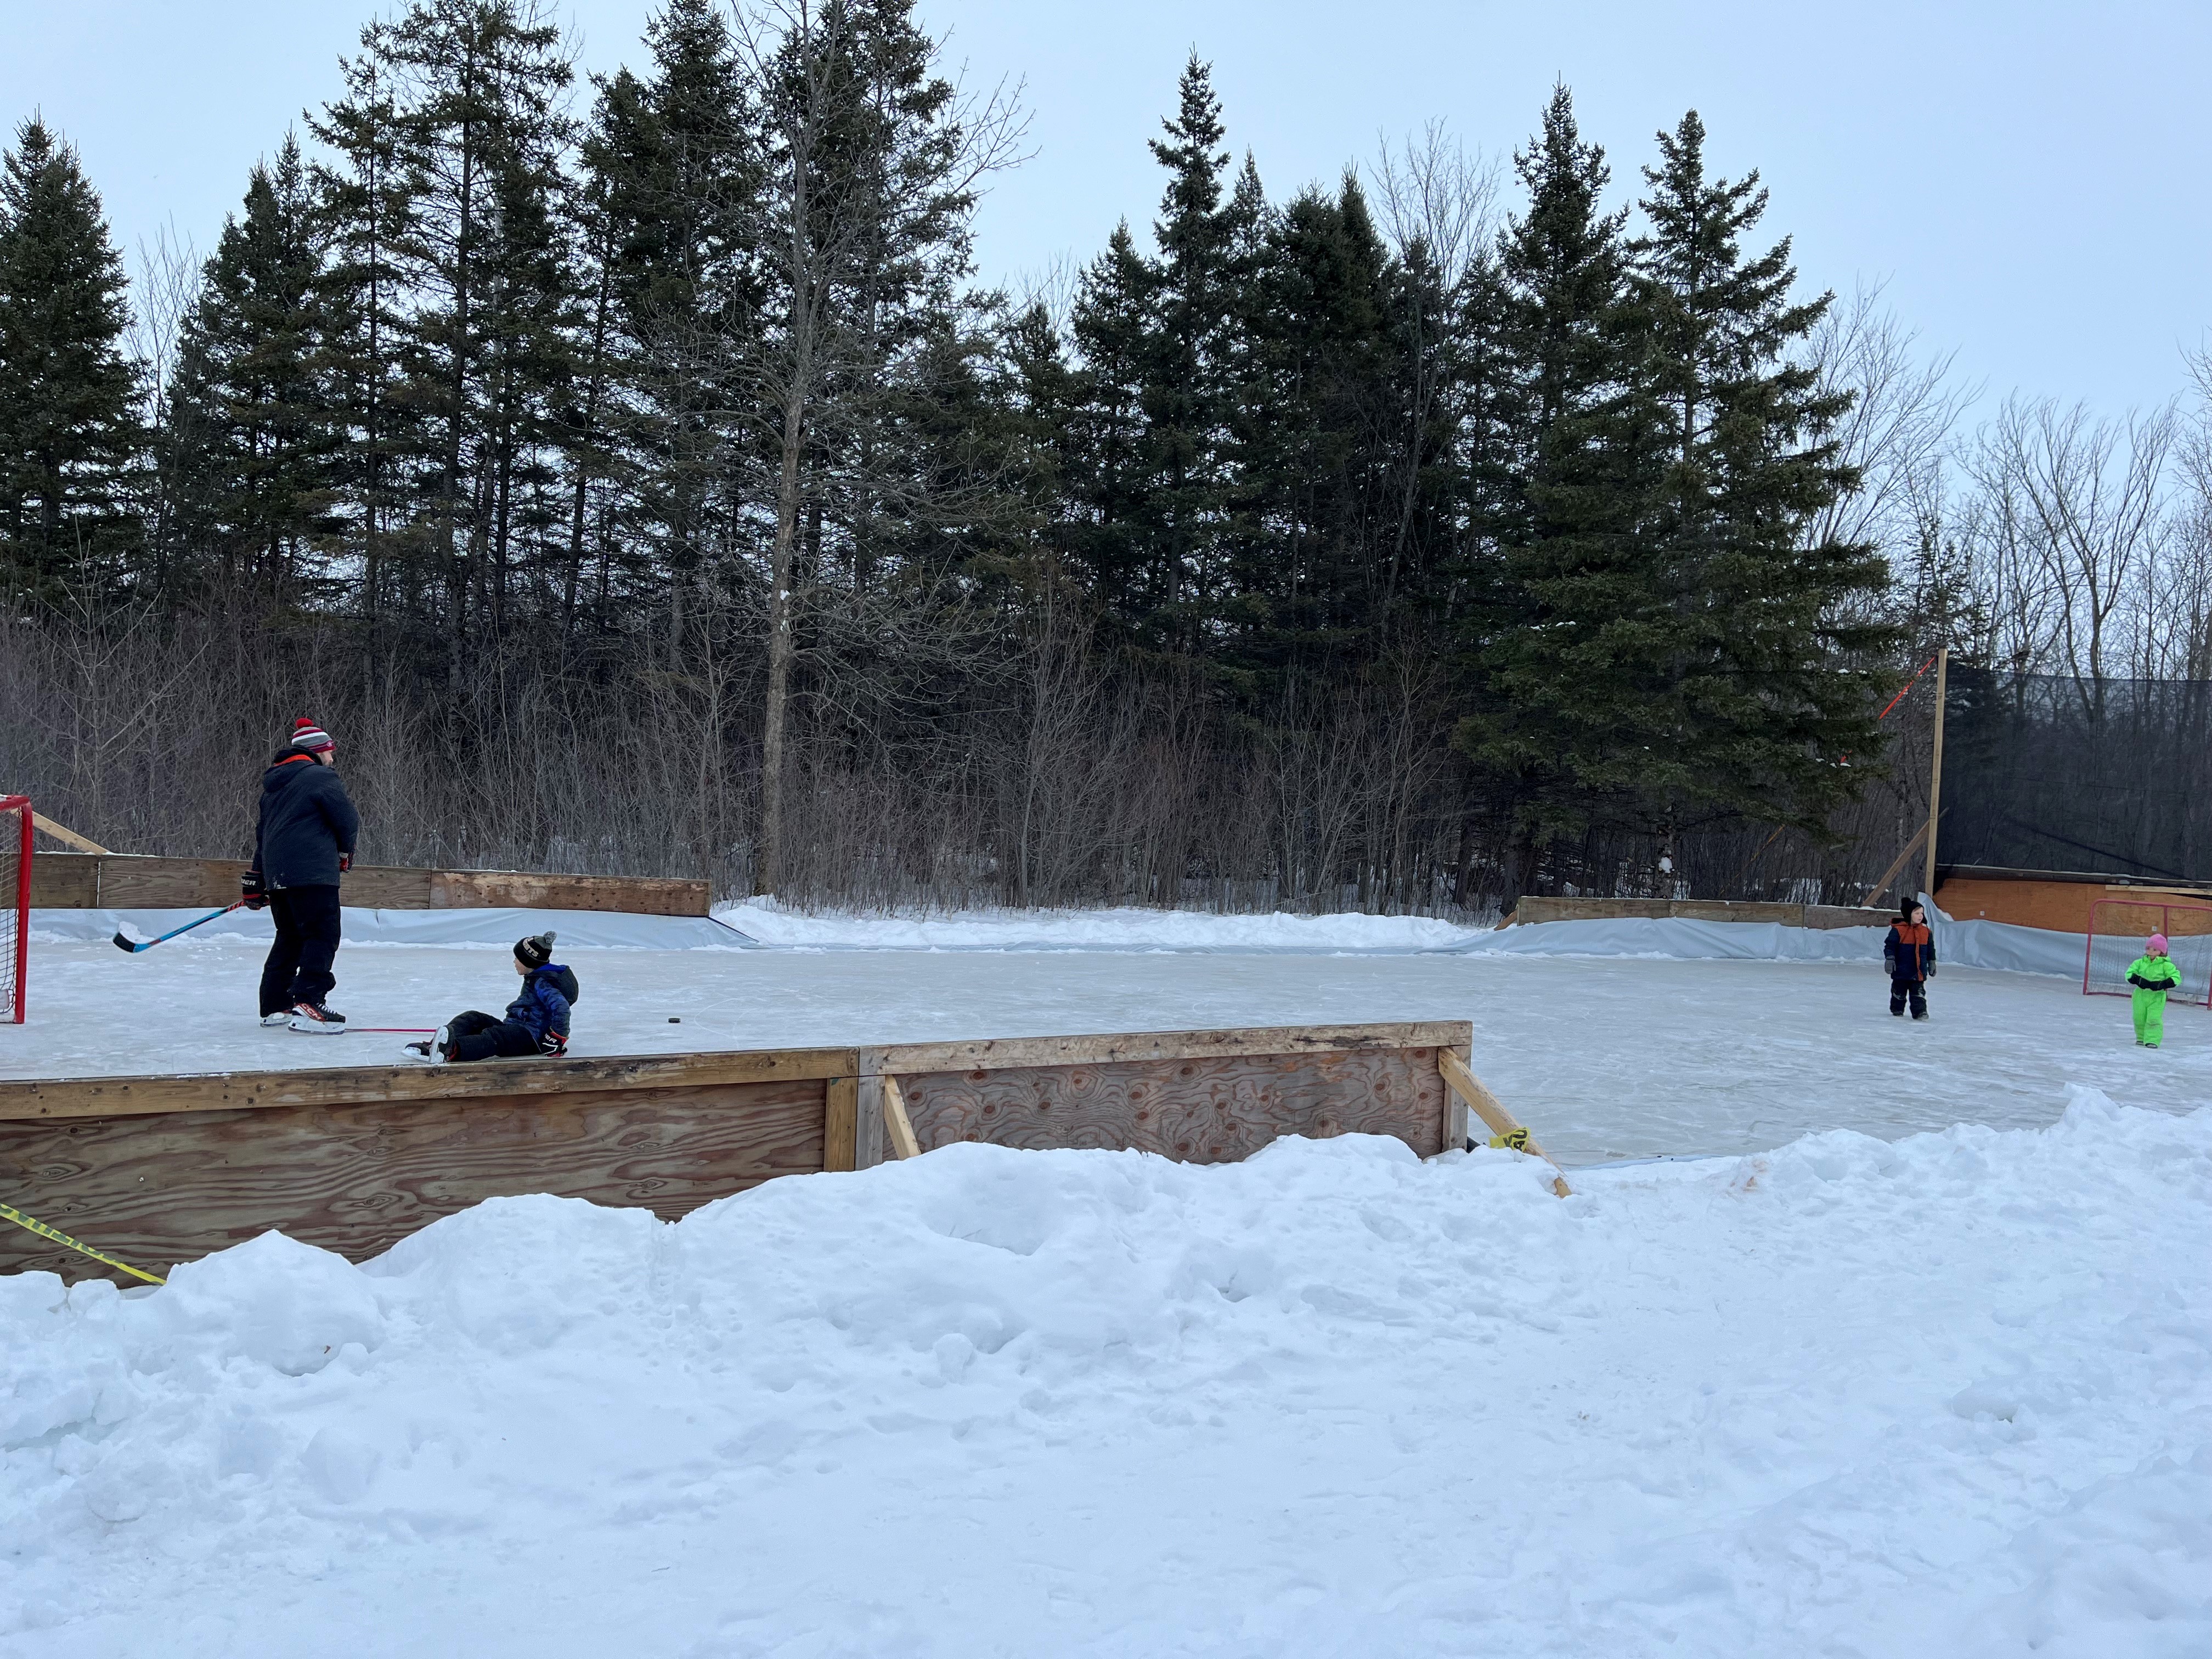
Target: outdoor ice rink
[(1605, 1058)]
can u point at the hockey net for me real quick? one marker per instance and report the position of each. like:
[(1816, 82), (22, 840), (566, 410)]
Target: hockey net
[(2119, 932), (15, 904)]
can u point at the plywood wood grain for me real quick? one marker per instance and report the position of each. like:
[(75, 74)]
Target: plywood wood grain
[(992, 1054), (62, 1098), (1212, 1109), (158, 1191)]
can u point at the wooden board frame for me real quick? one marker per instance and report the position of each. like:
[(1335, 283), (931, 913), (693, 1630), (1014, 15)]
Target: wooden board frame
[(171, 1167), (122, 881)]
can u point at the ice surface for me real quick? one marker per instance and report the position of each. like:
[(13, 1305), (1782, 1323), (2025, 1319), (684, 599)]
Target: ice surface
[(1951, 1395), (1604, 1057)]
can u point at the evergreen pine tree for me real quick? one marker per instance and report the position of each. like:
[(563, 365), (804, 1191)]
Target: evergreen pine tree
[(1162, 335), (255, 440), (675, 170), (1565, 654), (1318, 412), (1757, 685), (365, 202), (69, 430), (480, 244)]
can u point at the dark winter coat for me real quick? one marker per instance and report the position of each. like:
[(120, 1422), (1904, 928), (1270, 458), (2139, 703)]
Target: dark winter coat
[(542, 1010), (306, 823), (1909, 952)]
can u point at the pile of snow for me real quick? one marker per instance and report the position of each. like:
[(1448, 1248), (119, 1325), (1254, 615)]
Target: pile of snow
[(1951, 1395), (1124, 929)]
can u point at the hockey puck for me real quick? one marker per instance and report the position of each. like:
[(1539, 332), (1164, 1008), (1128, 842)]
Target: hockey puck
[(675, 1019)]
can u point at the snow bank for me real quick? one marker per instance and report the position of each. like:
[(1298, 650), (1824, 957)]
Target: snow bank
[(1090, 930), (1950, 1395)]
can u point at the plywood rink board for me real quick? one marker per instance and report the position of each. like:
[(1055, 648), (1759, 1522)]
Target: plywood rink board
[(356, 1178), (1210, 1110)]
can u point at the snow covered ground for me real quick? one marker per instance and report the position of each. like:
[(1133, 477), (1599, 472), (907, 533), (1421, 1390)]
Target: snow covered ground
[(1604, 1057), (1950, 1396), (1878, 1394)]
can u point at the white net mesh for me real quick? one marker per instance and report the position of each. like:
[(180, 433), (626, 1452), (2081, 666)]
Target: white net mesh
[(2120, 930), (15, 911)]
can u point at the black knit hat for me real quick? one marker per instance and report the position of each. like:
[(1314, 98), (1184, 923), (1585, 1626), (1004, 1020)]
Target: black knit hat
[(1904, 909), (536, 951)]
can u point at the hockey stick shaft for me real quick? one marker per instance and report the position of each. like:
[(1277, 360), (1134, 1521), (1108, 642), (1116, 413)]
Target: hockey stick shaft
[(136, 945)]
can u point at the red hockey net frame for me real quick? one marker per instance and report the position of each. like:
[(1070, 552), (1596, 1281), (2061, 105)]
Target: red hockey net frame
[(15, 905), (2118, 930)]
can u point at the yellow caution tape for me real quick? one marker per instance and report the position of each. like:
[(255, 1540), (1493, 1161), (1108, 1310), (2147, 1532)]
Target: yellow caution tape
[(1512, 1140), (32, 1223)]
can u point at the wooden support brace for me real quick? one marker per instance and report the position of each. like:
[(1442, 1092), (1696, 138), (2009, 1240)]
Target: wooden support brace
[(1889, 875), (1492, 1111), (40, 822), (899, 1126)]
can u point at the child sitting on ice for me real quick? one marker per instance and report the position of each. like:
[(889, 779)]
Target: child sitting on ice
[(1909, 953), (537, 1021), (2152, 973)]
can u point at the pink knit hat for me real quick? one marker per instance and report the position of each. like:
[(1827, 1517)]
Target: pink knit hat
[(306, 734), (2157, 944)]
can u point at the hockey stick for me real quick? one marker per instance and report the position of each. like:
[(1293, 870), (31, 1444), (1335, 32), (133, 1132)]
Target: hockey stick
[(398, 1030), (136, 945)]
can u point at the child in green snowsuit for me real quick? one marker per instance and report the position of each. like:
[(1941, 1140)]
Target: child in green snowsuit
[(2152, 973)]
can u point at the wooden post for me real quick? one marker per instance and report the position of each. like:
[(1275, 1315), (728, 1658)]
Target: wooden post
[(841, 1122), (1936, 774)]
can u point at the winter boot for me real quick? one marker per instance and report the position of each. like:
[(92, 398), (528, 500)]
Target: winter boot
[(313, 1018)]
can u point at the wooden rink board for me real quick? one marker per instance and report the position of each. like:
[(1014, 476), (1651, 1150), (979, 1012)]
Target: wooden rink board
[(158, 1170), (118, 881)]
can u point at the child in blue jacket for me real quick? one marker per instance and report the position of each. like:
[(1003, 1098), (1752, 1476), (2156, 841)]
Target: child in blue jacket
[(537, 1021)]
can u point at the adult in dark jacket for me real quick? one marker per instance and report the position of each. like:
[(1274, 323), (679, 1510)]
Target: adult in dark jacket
[(302, 842), (537, 1021), (1909, 953)]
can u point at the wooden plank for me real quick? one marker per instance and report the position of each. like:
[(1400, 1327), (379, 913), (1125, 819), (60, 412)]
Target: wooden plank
[(1882, 881), (65, 881), (1491, 1111), (68, 837), (1831, 916), (132, 881), (897, 1124), (128, 883), (990, 1054), (1210, 1109), (841, 1120), (386, 887), (649, 896), (155, 1192), (67, 1097)]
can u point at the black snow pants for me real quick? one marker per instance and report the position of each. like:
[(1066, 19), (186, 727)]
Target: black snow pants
[(478, 1035), (298, 965), (1916, 989)]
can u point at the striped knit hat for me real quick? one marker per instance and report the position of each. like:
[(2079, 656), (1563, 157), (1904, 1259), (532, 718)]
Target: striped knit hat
[(306, 734)]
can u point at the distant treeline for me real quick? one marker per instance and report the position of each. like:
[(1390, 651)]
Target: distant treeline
[(634, 476)]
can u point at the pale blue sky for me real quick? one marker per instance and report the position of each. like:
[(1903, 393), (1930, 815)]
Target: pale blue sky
[(2030, 179)]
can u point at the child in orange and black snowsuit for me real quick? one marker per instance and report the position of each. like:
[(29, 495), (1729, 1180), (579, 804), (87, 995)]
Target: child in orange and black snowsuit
[(1909, 953)]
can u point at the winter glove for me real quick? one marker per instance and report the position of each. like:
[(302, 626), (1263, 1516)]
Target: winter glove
[(345, 862), (553, 1045), (1931, 968), (252, 892)]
